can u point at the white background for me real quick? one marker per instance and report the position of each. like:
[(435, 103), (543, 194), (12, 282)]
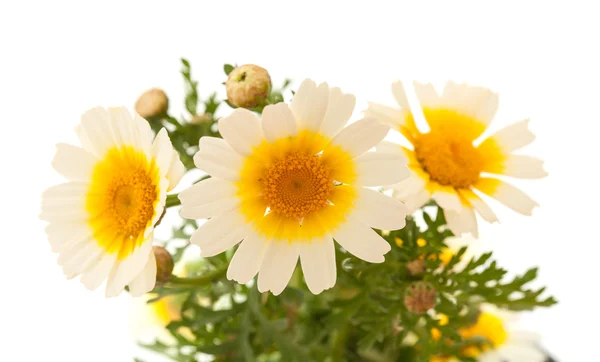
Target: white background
[(58, 59)]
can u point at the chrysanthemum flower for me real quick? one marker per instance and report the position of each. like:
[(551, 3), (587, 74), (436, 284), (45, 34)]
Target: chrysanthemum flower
[(449, 162), (102, 219), (506, 342), (287, 184)]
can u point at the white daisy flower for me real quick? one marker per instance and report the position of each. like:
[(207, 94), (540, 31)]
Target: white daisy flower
[(287, 184), (507, 342), (102, 219), (448, 162)]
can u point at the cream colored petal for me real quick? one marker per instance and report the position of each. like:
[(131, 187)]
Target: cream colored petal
[(409, 187), (124, 271), (522, 166), (247, 259), (210, 209), (380, 169), (507, 194), (221, 233), (380, 211), (339, 110), (218, 159), (318, 264), (361, 241), (360, 136), (62, 234), (427, 95), (393, 117), (399, 92), (512, 137), (476, 102), (278, 121), (310, 104), (277, 267), (462, 221), (94, 275), (162, 152), (74, 163), (416, 201), (447, 198), (176, 171), (480, 206), (242, 131), (146, 280), (144, 132), (96, 131), (207, 191)]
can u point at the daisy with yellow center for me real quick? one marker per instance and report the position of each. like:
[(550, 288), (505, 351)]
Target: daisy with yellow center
[(502, 342), (101, 220), (287, 184), (450, 161)]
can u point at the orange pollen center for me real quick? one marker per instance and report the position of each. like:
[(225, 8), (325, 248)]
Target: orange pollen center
[(449, 160), (297, 185)]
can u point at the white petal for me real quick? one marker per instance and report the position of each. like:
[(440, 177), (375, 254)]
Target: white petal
[(210, 209), (361, 241), (507, 194), (400, 94), (339, 110), (409, 187), (393, 117), (76, 260), (146, 280), (247, 259), (126, 132), (207, 191), (462, 221), (96, 131), (96, 274), (241, 129), (380, 211), (277, 267), (416, 201), (221, 233), (524, 167), (278, 121), (124, 271), (144, 133), (361, 136), (218, 159), (380, 169), (476, 102), (448, 198), (65, 197), (73, 162), (480, 206), (310, 104), (162, 152), (513, 137), (61, 235), (176, 171), (389, 147), (427, 95), (318, 264)]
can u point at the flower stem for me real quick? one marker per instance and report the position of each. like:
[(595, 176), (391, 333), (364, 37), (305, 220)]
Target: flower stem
[(199, 281), (172, 200)]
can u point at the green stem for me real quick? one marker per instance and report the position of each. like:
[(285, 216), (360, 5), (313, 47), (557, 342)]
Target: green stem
[(174, 122), (205, 279), (172, 200)]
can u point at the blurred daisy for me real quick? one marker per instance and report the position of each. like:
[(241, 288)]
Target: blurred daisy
[(102, 219), (506, 343), (448, 162), (287, 184)]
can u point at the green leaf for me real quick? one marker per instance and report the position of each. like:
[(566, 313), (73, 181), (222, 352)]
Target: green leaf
[(228, 68)]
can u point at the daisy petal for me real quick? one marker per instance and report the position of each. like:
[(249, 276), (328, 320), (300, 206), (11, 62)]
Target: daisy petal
[(247, 259), (427, 95), (462, 221), (399, 93), (242, 131), (95, 275), (162, 151), (146, 280), (310, 104), (96, 131), (278, 121), (218, 159), (73, 162), (124, 271), (277, 267), (507, 194), (360, 136), (318, 264), (480, 206), (361, 241), (339, 110), (221, 233), (408, 187), (380, 211), (520, 166), (176, 171), (510, 138), (393, 117), (447, 198), (207, 191), (380, 169)]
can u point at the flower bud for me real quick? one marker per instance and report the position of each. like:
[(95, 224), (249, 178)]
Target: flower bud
[(164, 264), (248, 86), (416, 267), (201, 119), (420, 297), (152, 103)]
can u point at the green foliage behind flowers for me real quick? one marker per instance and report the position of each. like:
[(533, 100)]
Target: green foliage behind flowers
[(365, 317)]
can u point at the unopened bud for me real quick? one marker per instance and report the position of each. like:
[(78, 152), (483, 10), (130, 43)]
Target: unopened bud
[(416, 267), (152, 103), (164, 264), (248, 86), (201, 119), (420, 297)]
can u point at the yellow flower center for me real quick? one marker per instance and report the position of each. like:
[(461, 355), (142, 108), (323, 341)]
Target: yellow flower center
[(122, 199), (288, 187), (450, 160), (297, 185)]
